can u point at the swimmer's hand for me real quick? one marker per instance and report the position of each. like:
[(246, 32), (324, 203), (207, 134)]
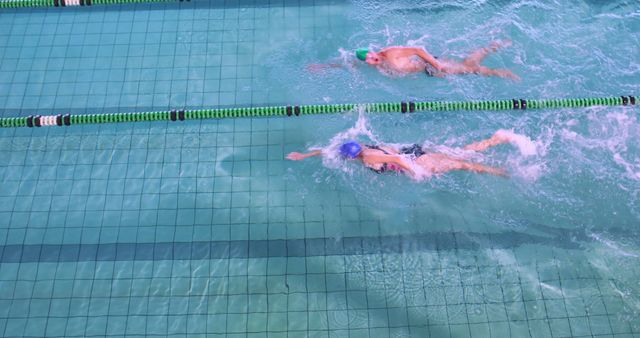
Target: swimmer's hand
[(295, 156), (499, 172), (319, 67), (440, 69), (507, 74)]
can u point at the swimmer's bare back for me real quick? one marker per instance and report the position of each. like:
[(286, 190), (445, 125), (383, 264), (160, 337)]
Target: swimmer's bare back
[(405, 62)]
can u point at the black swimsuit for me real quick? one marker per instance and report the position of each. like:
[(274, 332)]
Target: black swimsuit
[(414, 149)]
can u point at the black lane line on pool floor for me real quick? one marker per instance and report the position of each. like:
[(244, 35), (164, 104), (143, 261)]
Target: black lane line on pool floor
[(441, 241)]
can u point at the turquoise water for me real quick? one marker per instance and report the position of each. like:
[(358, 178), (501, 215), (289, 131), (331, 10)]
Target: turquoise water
[(202, 227)]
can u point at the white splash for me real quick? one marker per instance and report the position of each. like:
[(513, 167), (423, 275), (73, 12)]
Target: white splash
[(346, 58), (530, 161), (524, 143), (419, 42), (331, 157), (614, 133)]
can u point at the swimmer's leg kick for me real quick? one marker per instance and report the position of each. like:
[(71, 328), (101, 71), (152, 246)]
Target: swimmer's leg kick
[(483, 169), (504, 73), (483, 145), (475, 58), (442, 163), (472, 62)]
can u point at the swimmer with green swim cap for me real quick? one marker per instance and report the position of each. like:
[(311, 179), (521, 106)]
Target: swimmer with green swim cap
[(361, 53), (408, 60)]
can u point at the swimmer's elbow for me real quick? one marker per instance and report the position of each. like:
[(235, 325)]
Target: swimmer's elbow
[(316, 153), (404, 165)]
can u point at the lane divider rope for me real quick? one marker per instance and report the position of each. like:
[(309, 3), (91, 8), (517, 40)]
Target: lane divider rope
[(402, 107), (71, 3)]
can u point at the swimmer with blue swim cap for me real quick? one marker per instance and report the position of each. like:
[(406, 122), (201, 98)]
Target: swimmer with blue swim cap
[(350, 149), (384, 158), (353, 150), (408, 60)]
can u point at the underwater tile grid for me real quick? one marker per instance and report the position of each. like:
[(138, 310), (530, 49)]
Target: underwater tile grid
[(199, 229)]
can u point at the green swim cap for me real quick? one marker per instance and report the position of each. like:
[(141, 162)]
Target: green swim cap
[(361, 53)]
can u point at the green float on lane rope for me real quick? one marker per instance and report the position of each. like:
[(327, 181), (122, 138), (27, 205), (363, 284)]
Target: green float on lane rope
[(404, 107)]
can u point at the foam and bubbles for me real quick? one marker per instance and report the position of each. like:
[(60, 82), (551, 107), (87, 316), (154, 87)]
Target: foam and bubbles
[(331, 156), (606, 141)]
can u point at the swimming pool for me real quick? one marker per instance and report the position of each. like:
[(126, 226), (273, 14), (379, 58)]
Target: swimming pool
[(202, 228)]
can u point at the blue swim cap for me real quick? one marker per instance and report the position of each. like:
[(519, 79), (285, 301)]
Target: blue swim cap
[(350, 149)]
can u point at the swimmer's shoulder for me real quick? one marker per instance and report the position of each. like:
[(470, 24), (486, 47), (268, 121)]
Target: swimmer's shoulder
[(391, 50), (384, 149)]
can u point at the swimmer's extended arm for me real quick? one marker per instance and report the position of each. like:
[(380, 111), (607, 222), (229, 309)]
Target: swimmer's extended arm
[(295, 156), (317, 67), (427, 57)]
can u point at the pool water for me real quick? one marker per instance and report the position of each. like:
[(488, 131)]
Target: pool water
[(203, 228)]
